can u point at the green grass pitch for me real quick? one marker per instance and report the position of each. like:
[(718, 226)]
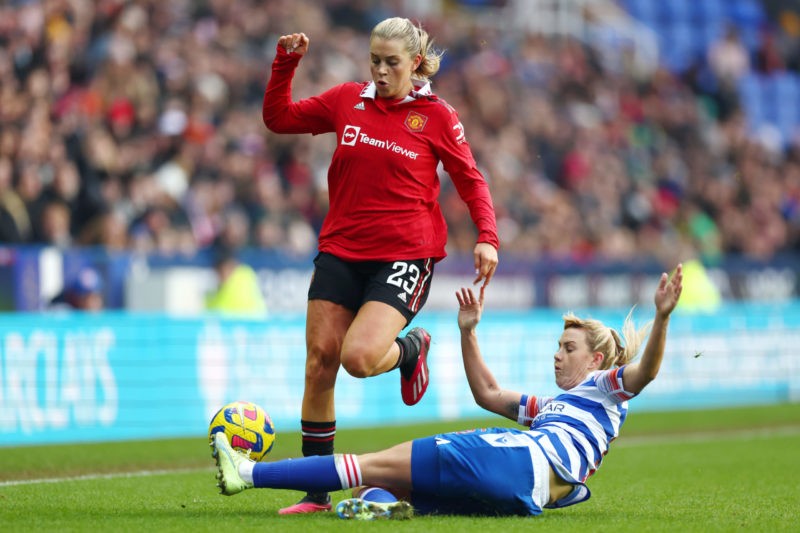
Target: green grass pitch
[(721, 470)]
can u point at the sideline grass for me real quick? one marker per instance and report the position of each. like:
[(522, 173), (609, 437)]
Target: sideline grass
[(721, 470)]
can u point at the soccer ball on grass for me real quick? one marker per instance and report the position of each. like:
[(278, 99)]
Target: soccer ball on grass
[(248, 427)]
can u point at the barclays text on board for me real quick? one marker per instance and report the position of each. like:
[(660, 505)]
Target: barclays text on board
[(52, 380)]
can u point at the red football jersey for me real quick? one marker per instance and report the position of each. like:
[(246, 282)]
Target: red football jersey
[(383, 181)]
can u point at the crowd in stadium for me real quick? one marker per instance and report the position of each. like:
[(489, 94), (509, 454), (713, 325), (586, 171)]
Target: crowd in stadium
[(136, 125)]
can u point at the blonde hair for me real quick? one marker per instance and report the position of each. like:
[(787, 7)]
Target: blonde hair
[(415, 41), (617, 350)]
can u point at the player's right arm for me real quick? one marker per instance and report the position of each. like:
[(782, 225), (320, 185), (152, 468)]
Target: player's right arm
[(279, 113), (487, 392)]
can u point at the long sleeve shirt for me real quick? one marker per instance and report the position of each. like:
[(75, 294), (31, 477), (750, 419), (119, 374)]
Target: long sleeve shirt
[(383, 182)]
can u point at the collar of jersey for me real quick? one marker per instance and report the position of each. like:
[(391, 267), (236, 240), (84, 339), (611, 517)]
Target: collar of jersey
[(421, 88)]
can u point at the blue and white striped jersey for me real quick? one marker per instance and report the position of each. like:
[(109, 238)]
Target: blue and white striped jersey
[(575, 428)]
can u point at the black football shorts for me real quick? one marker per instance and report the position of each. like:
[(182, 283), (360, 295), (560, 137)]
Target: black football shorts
[(403, 284)]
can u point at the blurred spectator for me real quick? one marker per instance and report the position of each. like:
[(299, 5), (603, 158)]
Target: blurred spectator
[(769, 57), (234, 232), (83, 293), (729, 61), (789, 36), (54, 223), (15, 223), (108, 229), (238, 291), (703, 295), (700, 292)]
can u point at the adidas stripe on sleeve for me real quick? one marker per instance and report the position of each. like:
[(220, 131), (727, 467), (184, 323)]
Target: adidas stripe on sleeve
[(610, 383)]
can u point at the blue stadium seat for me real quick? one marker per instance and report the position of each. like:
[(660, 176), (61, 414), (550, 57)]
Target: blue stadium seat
[(702, 37), (771, 105), (677, 58), (680, 45), (676, 10), (751, 95), (644, 10), (789, 126), (746, 13), (750, 86), (782, 108), (710, 11), (770, 110), (786, 87), (751, 37)]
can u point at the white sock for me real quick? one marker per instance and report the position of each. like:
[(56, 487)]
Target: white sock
[(246, 470), (348, 469)]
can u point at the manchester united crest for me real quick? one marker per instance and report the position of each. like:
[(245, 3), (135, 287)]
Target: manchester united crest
[(416, 122)]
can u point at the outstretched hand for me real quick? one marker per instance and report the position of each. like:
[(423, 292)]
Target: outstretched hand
[(669, 291), (469, 308), (294, 43)]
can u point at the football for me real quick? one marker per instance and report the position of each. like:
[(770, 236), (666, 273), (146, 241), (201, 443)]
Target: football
[(248, 427)]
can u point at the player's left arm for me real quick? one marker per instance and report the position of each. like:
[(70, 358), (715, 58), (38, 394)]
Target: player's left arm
[(638, 374), (457, 159)]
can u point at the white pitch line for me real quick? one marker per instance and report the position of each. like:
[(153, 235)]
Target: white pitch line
[(85, 477), (624, 442), (705, 436)]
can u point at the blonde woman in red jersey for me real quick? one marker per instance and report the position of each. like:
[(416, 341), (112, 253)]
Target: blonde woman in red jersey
[(384, 230)]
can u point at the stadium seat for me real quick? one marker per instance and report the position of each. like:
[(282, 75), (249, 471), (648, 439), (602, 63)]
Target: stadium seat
[(645, 11), (751, 37), (752, 99), (676, 10), (746, 13), (770, 111), (679, 46), (709, 11), (787, 87), (772, 103), (788, 126)]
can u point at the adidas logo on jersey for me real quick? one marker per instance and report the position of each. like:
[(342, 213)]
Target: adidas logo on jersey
[(359, 106), (402, 296)]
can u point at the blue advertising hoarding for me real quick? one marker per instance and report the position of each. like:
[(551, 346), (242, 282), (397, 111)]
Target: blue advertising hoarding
[(73, 377)]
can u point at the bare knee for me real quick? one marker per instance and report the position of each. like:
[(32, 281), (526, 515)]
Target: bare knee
[(360, 362), (322, 366)]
